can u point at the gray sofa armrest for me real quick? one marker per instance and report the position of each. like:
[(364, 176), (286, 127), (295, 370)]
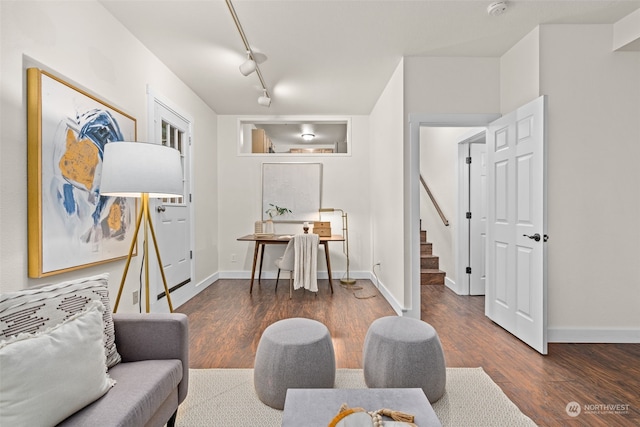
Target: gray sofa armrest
[(154, 336)]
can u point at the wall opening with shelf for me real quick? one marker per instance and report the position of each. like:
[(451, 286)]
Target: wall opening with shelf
[(294, 135)]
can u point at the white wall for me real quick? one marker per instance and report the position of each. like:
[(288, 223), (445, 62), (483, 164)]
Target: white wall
[(442, 85), (102, 57), (345, 186), (594, 181), (520, 73), (385, 179)]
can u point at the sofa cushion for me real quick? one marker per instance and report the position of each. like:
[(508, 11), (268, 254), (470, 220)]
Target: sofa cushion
[(46, 376), (39, 309), (141, 388)]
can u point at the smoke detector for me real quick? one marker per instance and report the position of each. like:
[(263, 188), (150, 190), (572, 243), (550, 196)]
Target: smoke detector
[(497, 8)]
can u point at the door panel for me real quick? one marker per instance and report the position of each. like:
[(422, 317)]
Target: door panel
[(172, 215), (516, 282)]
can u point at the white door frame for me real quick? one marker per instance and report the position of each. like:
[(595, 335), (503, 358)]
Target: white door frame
[(154, 98), (412, 193), (462, 236)]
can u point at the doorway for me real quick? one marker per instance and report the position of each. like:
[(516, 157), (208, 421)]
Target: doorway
[(443, 155), (172, 216), (516, 285)]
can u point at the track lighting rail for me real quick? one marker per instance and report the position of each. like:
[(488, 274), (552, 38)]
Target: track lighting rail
[(247, 46)]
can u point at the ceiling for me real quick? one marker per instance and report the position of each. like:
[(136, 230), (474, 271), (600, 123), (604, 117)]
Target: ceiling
[(330, 57)]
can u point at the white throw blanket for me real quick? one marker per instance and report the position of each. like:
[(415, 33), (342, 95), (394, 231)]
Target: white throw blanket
[(306, 262)]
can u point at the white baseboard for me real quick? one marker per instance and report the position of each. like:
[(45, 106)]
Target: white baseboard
[(397, 307), (184, 294), (604, 336), (453, 286)]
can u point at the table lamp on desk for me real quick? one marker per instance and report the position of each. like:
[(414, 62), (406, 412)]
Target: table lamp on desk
[(345, 247)]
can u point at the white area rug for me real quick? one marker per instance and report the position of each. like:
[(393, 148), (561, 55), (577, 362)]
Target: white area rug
[(226, 397)]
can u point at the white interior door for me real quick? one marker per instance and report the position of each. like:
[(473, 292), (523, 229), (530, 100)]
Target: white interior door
[(478, 220), (171, 216), (516, 224)]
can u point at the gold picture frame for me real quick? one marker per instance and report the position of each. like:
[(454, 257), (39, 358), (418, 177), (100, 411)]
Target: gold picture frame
[(70, 225)]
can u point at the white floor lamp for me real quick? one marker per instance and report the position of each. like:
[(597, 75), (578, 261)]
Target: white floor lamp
[(143, 170)]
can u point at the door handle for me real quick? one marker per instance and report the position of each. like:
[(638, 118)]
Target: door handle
[(161, 208), (535, 237)]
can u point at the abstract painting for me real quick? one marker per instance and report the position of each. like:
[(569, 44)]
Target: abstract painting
[(296, 186), (71, 225)]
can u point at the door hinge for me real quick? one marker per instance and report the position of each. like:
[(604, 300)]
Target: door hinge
[(468, 215), (190, 254), (189, 197), (468, 160), (468, 270)]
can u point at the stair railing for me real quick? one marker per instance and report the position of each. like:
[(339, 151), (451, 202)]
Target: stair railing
[(435, 203)]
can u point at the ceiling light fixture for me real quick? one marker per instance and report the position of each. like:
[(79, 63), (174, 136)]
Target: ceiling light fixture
[(248, 66), (497, 8), (308, 136), (265, 99)]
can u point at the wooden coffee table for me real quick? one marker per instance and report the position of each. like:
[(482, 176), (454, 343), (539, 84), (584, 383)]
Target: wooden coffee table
[(317, 407)]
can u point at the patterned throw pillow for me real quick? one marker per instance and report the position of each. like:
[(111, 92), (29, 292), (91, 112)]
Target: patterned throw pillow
[(36, 310)]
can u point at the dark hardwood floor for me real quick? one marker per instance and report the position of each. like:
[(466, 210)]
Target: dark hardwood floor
[(226, 322)]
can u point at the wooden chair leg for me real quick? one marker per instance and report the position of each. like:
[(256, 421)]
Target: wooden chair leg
[(277, 278)]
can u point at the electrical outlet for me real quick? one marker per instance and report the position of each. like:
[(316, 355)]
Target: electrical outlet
[(233, 258), (136, 297)]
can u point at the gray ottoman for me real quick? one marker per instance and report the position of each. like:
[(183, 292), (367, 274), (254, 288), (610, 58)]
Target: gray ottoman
[(400, 352), (293, 353)]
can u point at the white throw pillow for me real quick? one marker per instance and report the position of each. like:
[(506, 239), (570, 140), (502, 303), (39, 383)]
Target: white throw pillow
[(47, 376)]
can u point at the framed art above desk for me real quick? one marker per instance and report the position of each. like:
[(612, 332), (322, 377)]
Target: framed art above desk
[(296, 186)]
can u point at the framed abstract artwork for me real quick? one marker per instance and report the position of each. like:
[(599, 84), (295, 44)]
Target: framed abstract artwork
[(295, 186), (70, 225)]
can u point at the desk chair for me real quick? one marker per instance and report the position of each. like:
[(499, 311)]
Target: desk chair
[(300, 258)]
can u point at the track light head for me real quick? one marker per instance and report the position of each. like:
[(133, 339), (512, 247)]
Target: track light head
[(264, 100), (248, 66)]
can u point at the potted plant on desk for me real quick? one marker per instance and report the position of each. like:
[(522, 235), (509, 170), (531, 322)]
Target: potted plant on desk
[(274, 211)]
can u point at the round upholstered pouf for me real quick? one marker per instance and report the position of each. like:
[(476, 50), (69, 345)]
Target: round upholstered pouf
[(293, 353), (400, 352)]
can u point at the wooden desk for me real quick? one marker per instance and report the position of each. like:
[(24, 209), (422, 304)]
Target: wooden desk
[(281, 239)]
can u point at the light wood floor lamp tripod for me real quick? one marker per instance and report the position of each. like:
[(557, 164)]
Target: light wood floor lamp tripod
[(143, 170)]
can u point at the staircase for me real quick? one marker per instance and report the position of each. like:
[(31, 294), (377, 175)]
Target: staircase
[(430, 273)]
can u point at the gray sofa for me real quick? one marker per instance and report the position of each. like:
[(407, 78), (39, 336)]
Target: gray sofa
[(152, 378)]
